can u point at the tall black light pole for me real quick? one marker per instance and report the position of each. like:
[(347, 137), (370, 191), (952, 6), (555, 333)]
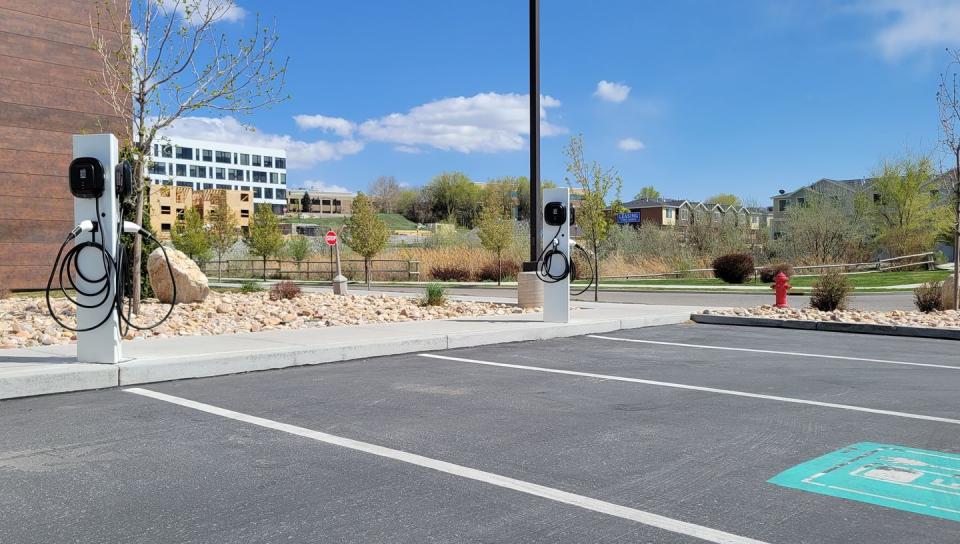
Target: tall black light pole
[(534, 134)]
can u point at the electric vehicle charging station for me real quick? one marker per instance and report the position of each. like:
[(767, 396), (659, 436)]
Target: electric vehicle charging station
[(555, 257), (101, 344)]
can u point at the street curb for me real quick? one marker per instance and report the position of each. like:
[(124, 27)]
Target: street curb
[(829, 326), (58, 378)]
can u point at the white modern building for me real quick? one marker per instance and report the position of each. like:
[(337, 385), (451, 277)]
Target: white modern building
[(216, 165)]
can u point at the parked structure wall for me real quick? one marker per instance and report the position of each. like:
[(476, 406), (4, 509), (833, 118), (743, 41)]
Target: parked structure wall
[(46, 65)]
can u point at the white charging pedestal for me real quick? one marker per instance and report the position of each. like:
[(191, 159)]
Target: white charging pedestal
[(100, 345), (556, 296)]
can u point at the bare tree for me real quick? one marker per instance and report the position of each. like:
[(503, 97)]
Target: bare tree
[(385, 192), (176, 63), (948, 98)]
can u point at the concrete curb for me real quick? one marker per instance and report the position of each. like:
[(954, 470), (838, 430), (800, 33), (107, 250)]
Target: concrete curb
[(829, 326), (32, 380)]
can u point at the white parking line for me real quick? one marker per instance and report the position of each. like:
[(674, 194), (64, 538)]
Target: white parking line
[(699, 388), (773, 352), (603, 507)]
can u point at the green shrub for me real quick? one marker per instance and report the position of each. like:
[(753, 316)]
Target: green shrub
[(250, 286), (435, 295), (284, 290), (831, 292), (929, 297), (769, 273), (454, 272), (733, 267)]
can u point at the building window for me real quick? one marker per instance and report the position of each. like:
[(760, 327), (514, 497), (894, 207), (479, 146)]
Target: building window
[(281, 162), (195, 172), (181, 170), (234, 158), (256, 192), (801, 201), (245, 197), (180, 214), (207, 155), (876, 198), (274, 177), (220, 173), (259, 177), (222, 186), (165, 210), (166, 151), (244, 159), (244, 188), (165, 227), (268, 192), (716, 215), (268, 162), (185, 153), (684, 214), (283, 179), (669, 213), (234, 174), (256, 160), (223, 157), (185, 184), (208, 186), (782, 204), (156, 150), (158, 168), (244, 213), (755, 220), (281, 193)]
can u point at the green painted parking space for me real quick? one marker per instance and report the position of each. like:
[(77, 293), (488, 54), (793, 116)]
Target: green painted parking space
[(911, 479)]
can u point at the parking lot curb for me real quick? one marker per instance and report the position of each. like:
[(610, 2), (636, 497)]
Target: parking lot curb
[(828, 326)]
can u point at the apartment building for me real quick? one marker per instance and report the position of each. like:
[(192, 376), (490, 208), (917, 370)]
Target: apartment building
[(665, 212), (321, 202), (168, 204), (46, 66), (200, 165), (842, 190)]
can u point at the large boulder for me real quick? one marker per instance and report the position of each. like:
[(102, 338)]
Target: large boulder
[(948, 293), (191, 281)]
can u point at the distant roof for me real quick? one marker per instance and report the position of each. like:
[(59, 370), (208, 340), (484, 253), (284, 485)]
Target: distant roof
[(847, 184), (653, 203)]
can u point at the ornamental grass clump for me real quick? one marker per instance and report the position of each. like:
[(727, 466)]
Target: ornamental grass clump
[(435, 295)]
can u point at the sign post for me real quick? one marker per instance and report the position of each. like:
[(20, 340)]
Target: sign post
[(339, 281)]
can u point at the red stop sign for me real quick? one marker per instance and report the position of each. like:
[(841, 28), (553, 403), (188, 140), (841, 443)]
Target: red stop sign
[(330, 238)]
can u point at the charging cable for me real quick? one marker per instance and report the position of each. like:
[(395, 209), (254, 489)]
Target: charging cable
[(66, 268)]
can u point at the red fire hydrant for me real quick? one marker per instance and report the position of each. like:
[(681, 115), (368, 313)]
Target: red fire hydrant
[(780, 287)]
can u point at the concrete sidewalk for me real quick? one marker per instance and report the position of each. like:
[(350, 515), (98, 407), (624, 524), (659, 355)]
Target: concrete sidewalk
[(53, 369)]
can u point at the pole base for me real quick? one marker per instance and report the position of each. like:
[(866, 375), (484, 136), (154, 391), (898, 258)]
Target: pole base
[(340, 286), (529, 290)]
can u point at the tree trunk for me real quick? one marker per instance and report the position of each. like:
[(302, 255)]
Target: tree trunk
[(264, 269), (596, 271), (499, 269), (366, 272), (137, 247), (220, 268)]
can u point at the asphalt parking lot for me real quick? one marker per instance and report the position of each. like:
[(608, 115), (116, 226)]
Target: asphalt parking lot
[(662, 435)]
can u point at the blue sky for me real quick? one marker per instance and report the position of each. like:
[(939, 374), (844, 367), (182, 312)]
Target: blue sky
[(700, 96)]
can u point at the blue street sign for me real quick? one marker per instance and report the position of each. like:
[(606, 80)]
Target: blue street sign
[(630, 217), (911, 479)]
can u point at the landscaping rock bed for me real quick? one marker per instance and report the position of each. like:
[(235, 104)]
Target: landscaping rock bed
[(899, 318), (25, 322)]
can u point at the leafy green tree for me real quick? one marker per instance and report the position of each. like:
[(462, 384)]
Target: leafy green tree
[(365, 232), (596, 183), (305, 202), (190, 236), (723, 199), (264, 237), (523, 195), (454, 197), (904, 207), (223, 233), (501, 193), (647, 193), (299, 248), (496, 230)]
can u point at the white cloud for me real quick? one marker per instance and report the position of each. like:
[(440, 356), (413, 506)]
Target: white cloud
[(914, 25), (630, 144), (227, 10), (408, 149), (486, 122), (612, 92), (322, 186), (338, 125), (300, 154)]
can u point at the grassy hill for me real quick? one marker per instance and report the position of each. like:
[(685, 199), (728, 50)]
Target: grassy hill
[(394, 221)]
